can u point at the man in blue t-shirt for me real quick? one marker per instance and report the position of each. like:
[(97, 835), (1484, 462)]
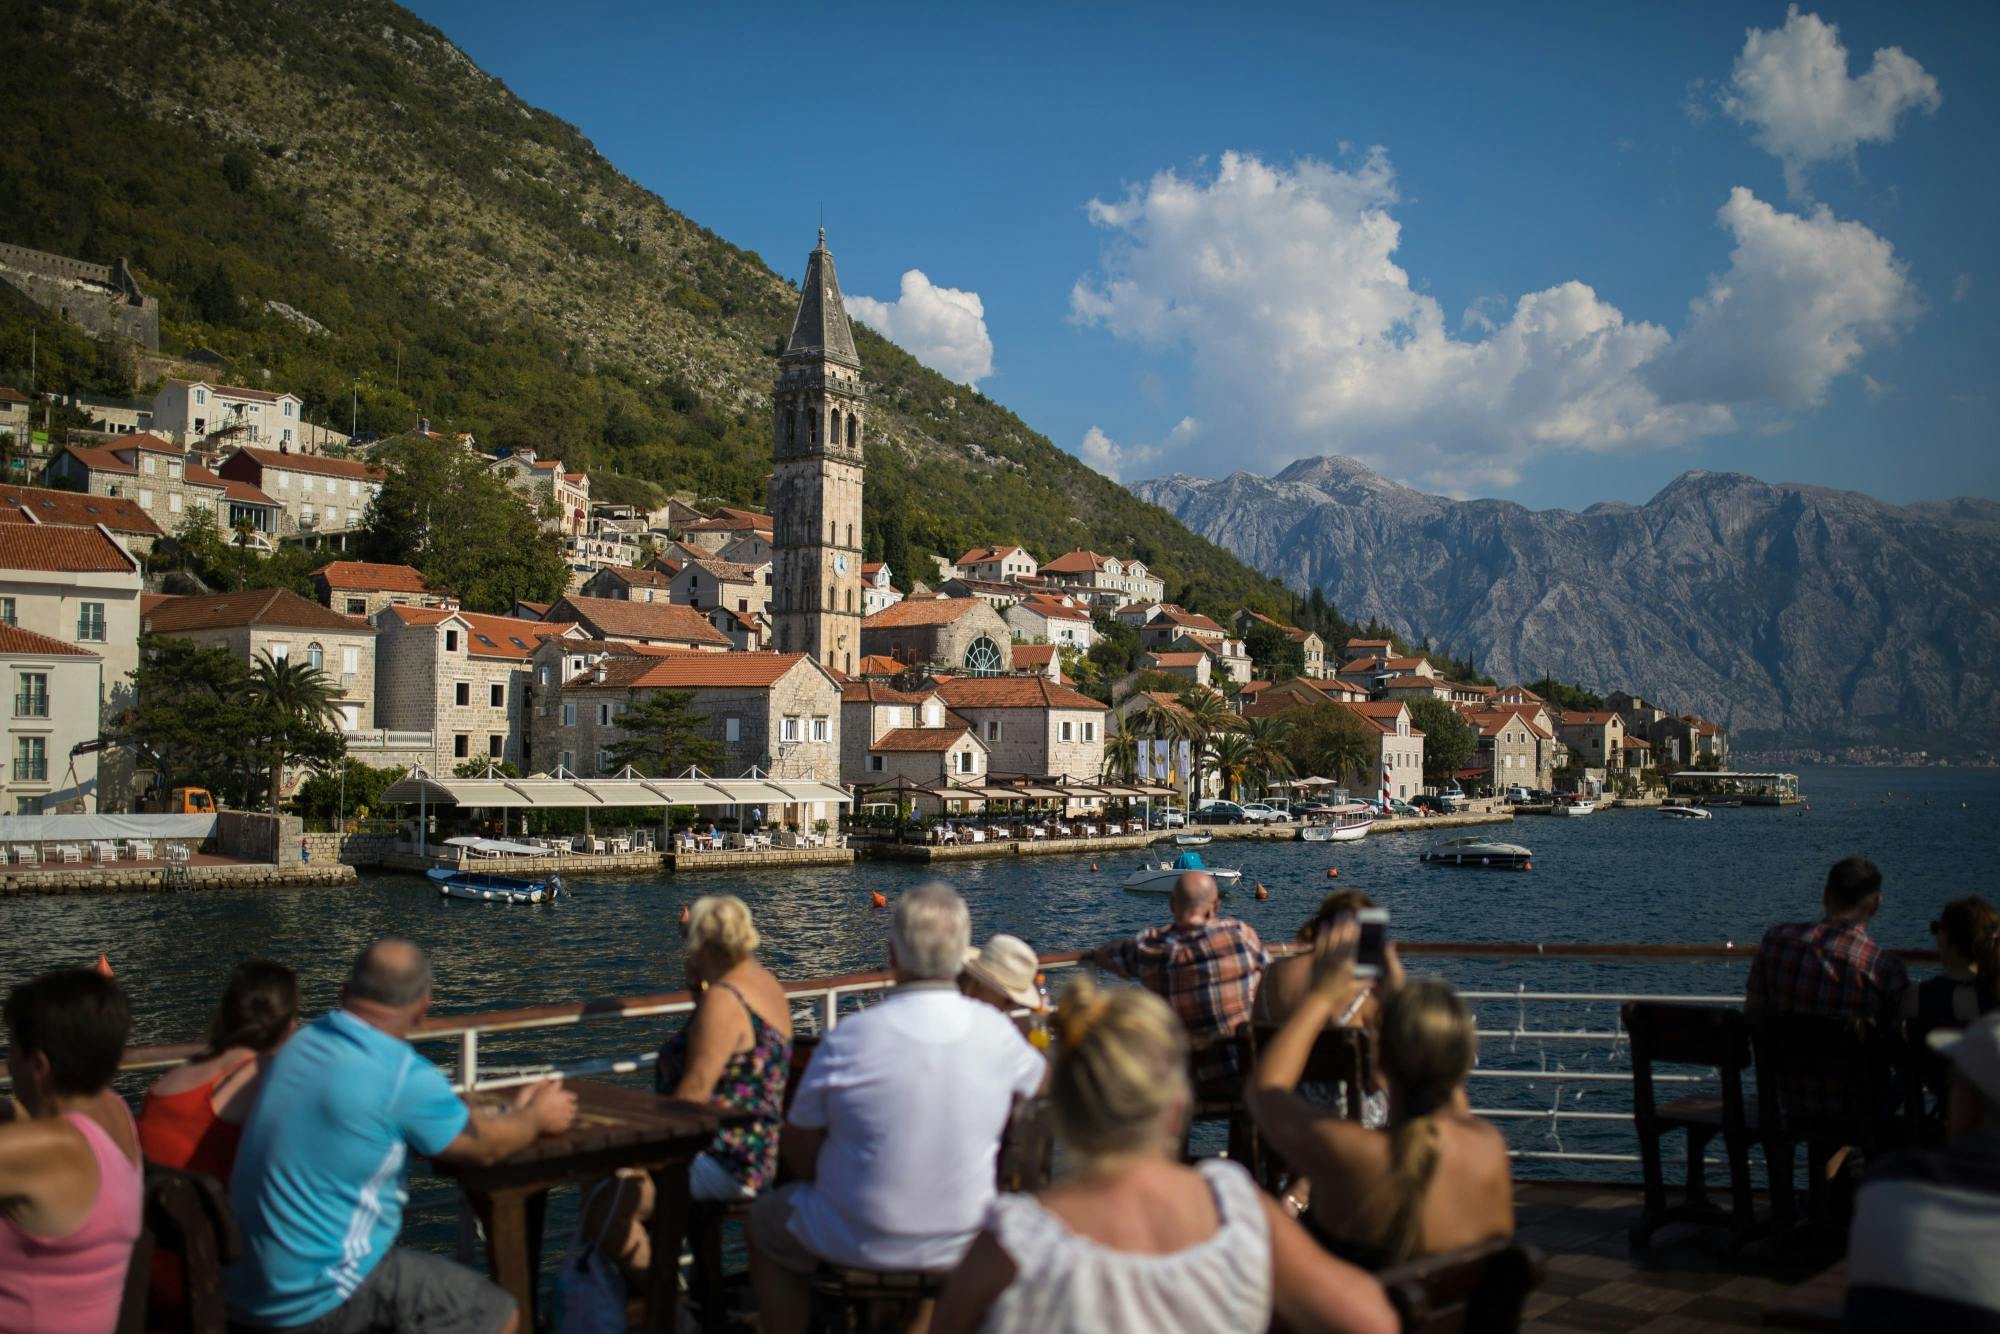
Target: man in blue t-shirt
[(319, 1184)]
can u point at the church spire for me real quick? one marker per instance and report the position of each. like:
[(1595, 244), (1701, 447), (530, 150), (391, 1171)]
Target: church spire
[(820, 330)]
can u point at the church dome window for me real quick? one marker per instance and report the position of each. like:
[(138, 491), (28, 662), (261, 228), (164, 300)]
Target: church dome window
[(983, 658)]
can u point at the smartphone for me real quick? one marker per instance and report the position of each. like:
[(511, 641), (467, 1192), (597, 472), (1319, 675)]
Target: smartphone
[(1372, 951)]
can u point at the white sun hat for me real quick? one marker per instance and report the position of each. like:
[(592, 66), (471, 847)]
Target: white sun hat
[(1008, 965)]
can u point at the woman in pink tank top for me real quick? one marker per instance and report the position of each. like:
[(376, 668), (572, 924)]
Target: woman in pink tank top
[(70, 1177)]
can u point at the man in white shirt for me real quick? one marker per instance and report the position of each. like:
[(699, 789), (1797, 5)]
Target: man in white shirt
[(1927, 1223), (896, 1125)]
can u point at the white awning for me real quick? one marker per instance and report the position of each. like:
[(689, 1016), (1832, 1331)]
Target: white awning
[(551, 793)]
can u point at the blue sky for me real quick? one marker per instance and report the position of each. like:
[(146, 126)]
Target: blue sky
[(1553, 253)]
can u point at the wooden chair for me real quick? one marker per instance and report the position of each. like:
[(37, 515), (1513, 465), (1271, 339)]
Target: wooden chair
[(1479, 1290), (185, 1215), (1705, 1035), (1827, 1083), (1340, 1057)]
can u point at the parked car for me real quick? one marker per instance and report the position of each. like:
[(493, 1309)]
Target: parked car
[(1219, 812), (1397, 806), (1169, 819), (1258, 813), (1519, 795), (1426, 801)]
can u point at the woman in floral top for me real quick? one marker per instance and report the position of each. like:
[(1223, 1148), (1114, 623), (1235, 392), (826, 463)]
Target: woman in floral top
[(735, 1051)]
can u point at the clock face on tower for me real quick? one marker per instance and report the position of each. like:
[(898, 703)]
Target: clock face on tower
[(840, 565)]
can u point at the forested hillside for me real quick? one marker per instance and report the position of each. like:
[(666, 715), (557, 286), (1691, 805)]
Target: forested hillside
[(472, 260)]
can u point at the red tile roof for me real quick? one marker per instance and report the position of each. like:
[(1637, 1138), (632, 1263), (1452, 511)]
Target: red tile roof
[(874, 692), (8, 395), (241, 492), (314, 463), (921, 738), (986, 555), (1033, 655), (13, 639), (1175, 659), (1076, 562), (1013, 692), (1052, 609), (1382, 645), (727, 571), (62, 548), (1412, 680), (251, 606), (488, 636), (616, 618), (34, 504), (923, 611), (360, 574), (878, 664), (639, 578), (1579, 718), (682, 670), (1187, 620), (100, 460)]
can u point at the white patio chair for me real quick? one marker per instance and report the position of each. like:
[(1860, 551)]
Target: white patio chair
[(68, 852), (142, 849), (27, 854)]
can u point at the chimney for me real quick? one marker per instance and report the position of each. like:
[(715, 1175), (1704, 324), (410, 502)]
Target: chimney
[(599, 674)]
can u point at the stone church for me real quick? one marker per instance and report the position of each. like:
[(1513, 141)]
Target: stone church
[(818, 409)]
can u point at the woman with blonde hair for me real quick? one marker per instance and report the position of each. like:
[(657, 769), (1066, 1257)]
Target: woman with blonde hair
[(1438, 1177), (1130, 1239)]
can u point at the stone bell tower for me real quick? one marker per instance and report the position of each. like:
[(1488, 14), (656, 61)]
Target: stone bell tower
[(818, 407)]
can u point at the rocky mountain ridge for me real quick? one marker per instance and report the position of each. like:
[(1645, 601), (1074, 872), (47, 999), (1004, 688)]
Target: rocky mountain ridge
[(1784, 611)]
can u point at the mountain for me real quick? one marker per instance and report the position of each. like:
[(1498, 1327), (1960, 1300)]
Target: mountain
[(332, 197), (1783, 611)]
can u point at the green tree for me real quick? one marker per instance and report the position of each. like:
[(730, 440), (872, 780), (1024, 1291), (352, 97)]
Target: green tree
[(478, 768), (1565, 697), (1276, 654), (360, 785), (193, 721), (443, 512), (1121, 746), (1229, 753), (298, 711), (1331, 741), (1269, 761), (664, 735), (1449, 741)]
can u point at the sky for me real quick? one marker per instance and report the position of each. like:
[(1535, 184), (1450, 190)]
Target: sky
[(1551, 253)]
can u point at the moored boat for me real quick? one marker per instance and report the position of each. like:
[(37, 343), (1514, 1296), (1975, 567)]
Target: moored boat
[(1572, 804), (1687, 813), (1193, 840), (1473, 851), (482, 888), (1345, 824), (1157, 877)]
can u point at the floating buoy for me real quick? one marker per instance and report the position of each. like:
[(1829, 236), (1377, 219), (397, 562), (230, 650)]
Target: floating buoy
[(1333, 873), (1093, 868), (879, 899), (102, 966), (1527, 866), (1262, 893)]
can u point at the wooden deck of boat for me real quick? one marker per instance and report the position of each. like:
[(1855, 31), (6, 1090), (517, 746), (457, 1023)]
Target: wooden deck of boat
[(1595, 1281)]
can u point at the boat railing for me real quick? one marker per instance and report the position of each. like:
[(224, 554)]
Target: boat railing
[(1505, 1078)]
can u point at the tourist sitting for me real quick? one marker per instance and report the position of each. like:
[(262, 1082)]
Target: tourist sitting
[(1002, 973), (1927, 1223), (1967, 933), (1830, 967), (895, 1129), (736, 1050), (1162, 1246), (71, 1184), (193, 1115), (319, 1185), (1204, 965), (1438, 1177)]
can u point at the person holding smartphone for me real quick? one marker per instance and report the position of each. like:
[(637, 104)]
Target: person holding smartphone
[(1437, 1178)]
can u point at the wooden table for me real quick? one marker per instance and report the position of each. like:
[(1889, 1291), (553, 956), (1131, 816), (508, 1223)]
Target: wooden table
[(615, 1127)]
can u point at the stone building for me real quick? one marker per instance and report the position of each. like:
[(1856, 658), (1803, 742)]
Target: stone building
[(189, 412), (1031, 725), (1399, 752), (878, 588), (104, 299), (1000, 565), (1042, 619), (778, 712), (279, 623), (818, 407), (1510, 749), (319, 498), (625, 583), (708, 584), (955, 634), (1169, 623), (1108, 581), (1596, 736), (930, 756), (363, 588), (168, 483), (726, 529), (868, 709), (539, 480), (461, 676), (661, 623), (58, 693), (123, 518)]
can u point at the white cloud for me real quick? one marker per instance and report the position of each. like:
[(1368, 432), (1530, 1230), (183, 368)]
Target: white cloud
[(1112, 459), (1305, 336), (942, 327), (1791, 83)]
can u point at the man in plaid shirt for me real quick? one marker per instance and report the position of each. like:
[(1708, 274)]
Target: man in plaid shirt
[(1206, 967)]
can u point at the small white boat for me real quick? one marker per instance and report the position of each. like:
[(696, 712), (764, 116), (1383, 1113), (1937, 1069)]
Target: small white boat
[(1571, 805), (1687, 813), (1480, 852), (482, 888), (1193, 840), (1346, 824), (1158, 877)]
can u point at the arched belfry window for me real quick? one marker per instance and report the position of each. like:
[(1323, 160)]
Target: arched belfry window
[(791, 426), (853, 436), (815, 428), (833, 428)]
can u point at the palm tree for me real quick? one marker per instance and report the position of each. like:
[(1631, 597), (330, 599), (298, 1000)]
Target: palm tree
[(1348, 751), (1267, 738), (292, 695), (1121, 746), (1230, 753), (1208, 715)]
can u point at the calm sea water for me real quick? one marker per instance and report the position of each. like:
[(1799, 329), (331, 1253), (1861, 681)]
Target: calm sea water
[(1615, 876)]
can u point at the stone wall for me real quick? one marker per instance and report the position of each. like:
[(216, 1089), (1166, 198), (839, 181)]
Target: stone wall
[(327, 849), (104, 299), (253, 836), (152, 879)]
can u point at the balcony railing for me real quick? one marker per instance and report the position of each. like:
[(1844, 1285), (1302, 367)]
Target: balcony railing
[(31, 706), (31, 771)]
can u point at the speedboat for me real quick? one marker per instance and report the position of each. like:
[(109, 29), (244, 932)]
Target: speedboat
[(1347, 823), (1157, 877), (482, 888), (1193, 840), (1687, 813), (1480, 852), (1574, 805)]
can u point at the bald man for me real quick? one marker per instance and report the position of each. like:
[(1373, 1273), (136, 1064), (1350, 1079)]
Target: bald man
[(1205, 965), (319, 1183)]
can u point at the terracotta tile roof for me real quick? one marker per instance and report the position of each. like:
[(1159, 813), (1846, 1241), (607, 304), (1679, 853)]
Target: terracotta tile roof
[(1378, 710), (487, 636), (874, 692), (62, 548), (1361, 665), (1253, 687), (685, 670), (314, 463), (100, 460), (8, 395), (1634, 743), (1052, 609), (1382, 646), (1033, 655), (235, 391), (148, 601), (1403, 664), (13, 639), (1187, 620), (1526, 713), (1579, 718), (760, 523), (375, 578), (252, 606), (616, 618), (1176, 659), (34, 504), (1013, 692), (1409, 681), (728, 571), (985, 555), (638, 578), (1137, 608), (152, 444), (241, 492), (539, 608), (923, 611), (938, 739), (871, 568), (1075, 562)]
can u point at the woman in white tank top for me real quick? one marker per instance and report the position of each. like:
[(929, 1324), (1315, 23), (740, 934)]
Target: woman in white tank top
[(1130, 1241)]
